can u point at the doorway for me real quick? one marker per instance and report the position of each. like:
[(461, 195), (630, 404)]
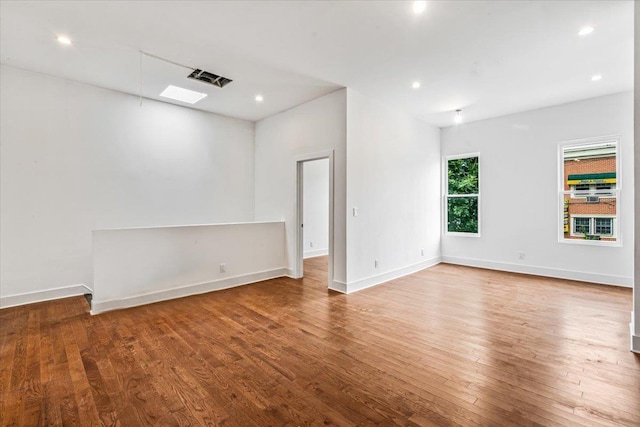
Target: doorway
[(314, 206)]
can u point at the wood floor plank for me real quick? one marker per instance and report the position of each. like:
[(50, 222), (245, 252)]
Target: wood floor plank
[(449, 345)]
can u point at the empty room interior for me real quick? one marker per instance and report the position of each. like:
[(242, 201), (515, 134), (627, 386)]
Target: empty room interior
[(300, 213)]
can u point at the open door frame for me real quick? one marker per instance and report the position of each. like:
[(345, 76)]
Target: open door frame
[(300, 160)]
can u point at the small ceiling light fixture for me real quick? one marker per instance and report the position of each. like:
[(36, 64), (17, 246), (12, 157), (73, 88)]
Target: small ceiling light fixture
[(596, 78), (419, 7), (63, 40), (415, 85), (586, 30), (182, 95), (457, 119), (259, 98)]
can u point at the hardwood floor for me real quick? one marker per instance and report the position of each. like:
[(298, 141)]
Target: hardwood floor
[(447, 346)]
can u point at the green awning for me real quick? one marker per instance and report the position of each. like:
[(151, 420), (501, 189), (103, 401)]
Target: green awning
[(590, 176)]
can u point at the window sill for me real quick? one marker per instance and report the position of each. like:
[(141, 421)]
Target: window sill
[(452, 233), (617, 244)]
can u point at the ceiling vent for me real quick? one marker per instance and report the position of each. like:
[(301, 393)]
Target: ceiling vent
[(207, 77)]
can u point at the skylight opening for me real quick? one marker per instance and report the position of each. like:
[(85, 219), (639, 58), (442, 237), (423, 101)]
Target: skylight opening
[(182, 95)]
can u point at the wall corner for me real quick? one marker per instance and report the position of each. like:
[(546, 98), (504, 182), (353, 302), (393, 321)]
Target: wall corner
[(635, 314)]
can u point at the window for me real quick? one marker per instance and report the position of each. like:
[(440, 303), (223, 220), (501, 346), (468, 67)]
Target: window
[(581, 225), (603, 226), (581, 190), (589, 191), (593, 228), (584, 190), (462, 194), (602, 189)]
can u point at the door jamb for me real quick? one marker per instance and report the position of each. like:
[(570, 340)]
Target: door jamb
[(298, 268)]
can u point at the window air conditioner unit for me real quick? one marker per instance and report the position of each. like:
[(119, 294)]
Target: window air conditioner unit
[(593, 199)]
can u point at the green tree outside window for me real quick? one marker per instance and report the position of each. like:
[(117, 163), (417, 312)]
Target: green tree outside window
[(462, 195)]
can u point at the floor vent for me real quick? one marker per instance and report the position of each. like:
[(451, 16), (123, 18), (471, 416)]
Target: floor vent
[(207, 77)]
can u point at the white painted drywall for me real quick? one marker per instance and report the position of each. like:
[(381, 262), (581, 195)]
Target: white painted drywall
[(75, 158), (280, 140), (519, 190), (316, 207), (143, 265), (393, 180), (635, 315)]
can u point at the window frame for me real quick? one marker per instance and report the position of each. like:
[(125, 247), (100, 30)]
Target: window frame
[(615, 193), (592, 225), (612, 222), (445, 194), (573, 231)]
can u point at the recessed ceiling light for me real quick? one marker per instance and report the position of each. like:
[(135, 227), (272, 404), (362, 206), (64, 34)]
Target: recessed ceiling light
[(457, 119), (259, 98), (419, 7), (586, 30), (182, 95), (596, 78), (415, 85), (63, 40)]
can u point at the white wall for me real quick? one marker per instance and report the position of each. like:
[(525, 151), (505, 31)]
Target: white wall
[(76, 158), (316, 207), (393, 179), (143, 265), (519, 190), (635, 316), (315, 126)]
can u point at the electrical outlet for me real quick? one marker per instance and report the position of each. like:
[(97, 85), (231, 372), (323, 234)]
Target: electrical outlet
[(520, 255), (421, 252), (310, 244), (375, 263), (355, 211), (223, 268)]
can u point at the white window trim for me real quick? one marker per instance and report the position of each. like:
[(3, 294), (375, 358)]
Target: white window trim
[(562, 193), (445, 197)]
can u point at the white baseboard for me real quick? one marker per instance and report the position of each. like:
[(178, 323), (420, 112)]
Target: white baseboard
[(46, 295), (338, 286), (635, 343), (368, 282), (289, 273), (635, 339), (580, 276), (315, 253), (184, 291)]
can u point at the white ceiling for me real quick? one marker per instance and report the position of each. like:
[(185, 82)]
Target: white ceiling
[(489, 58)]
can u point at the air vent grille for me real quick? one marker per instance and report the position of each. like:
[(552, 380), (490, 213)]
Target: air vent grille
[(207, 77)]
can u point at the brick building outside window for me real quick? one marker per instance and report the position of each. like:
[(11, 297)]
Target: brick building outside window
[(590, 198)]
